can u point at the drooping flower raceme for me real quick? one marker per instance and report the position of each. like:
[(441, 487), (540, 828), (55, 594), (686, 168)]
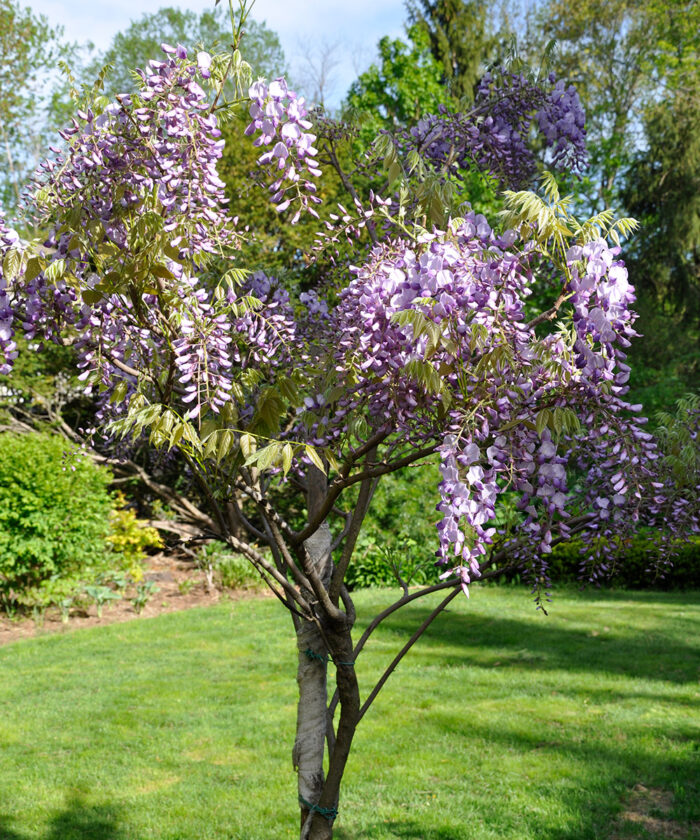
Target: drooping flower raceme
[(495, 133), (279, 121)]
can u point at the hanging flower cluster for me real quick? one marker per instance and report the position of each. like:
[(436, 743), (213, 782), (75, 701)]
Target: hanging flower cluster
[(161, 142), (143, 177), (8, 348), (562, 123), (279, 118), (433, 336), (495, 133)]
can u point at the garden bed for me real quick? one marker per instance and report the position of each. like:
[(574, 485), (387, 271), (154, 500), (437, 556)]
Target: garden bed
[(181, 586)]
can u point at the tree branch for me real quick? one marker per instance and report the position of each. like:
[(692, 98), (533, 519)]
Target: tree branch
[(404, 650)]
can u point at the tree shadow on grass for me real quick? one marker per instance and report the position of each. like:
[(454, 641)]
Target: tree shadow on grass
[(77, 821), (408, 830), (593, 806), (653, 656), (601, 773)]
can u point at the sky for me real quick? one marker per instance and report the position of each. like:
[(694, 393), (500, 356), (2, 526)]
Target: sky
[(351, 27)]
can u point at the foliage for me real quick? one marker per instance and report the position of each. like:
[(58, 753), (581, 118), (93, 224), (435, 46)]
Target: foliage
[(459, 38), (140, 43), (624, 57), (399, 539), (399, 561), (29, 47), (145, 590), (630, 565), (54, 506), (101, 595), (665, 364), (663, 191), (567, 713), (129, 537), (679, 440), (227, 569), (399, 90)]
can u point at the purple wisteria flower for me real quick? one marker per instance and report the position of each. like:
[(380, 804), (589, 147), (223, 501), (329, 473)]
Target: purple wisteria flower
[(279, 119)]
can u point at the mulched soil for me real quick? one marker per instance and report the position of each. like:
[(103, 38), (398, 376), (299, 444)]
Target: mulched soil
[(181, 586)]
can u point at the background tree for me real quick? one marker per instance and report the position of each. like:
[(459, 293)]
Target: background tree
[(29, 50), (623, 56), (402, 87), (663, 190), (635, 66), (460, 40), (211, 30)]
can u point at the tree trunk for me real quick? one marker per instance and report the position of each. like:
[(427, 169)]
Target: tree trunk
[(321, 822), (309, 744)]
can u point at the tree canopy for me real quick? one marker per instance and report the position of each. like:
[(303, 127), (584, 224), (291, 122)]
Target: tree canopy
[(30, 48)]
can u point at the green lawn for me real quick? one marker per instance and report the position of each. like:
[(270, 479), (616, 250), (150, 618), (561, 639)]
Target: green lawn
[(501, 724)]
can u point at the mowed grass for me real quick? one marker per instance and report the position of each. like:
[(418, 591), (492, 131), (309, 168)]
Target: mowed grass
[(501, 723)]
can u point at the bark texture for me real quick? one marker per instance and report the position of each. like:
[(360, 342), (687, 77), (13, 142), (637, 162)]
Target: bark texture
[(309, 744)]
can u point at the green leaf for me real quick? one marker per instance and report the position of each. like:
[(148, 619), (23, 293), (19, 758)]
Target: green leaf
[(226, 441), (315, 458), (287, 456), (35, 266), (247, 444), (56, 270), (12, 264), (162, 272), (119, 393), (91, 296), (542, 420), (176, 435), (268, 455)]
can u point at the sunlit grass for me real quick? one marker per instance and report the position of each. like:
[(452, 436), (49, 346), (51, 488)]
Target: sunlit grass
[(502, 723)]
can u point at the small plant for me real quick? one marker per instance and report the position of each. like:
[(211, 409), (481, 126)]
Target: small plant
[(225, 569), (55, 591), (145, 590), (115, 578), (65, 605), (186, 586), (101, 595), (235, 572)]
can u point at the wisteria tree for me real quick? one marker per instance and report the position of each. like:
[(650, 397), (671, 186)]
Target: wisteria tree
[(287, 410)]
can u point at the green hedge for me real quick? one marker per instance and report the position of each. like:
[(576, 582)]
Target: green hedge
[(633, 566), (54, 512)]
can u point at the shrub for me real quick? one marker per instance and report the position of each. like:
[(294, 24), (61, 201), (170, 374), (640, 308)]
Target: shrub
[(631, 567), (53, 514), (386, 562), (400, 538), (129, 538)]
